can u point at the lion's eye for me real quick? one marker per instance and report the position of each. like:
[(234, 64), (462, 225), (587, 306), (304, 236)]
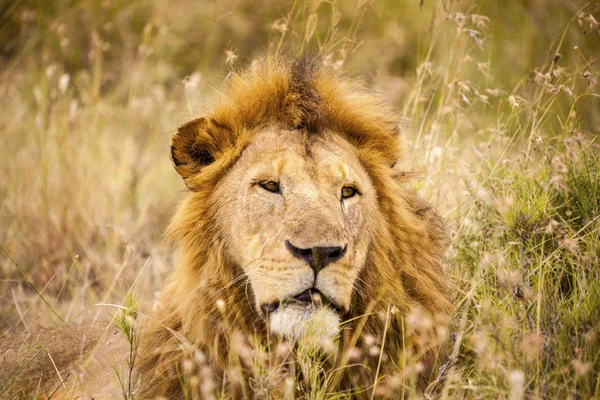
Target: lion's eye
[(349, 191), (271, 186)]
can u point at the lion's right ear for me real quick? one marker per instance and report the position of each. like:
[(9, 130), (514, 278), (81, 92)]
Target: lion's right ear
[(197, 144)]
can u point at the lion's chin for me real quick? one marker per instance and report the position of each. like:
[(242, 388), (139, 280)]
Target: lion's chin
[(295, 321)]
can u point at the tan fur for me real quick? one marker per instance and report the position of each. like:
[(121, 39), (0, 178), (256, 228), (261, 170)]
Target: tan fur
[(299, 122)]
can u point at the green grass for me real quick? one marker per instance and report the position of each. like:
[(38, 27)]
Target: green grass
[(534, 307), (502, 130)]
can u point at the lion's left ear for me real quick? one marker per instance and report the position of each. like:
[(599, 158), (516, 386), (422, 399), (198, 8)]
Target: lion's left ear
[(197, 144)]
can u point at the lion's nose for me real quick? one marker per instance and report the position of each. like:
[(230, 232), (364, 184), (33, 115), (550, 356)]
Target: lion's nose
[(317, 257)]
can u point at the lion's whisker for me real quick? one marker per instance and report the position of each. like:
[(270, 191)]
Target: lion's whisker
[(363, 282)]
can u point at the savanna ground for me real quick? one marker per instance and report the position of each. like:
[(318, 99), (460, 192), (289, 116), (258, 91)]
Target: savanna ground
[(500, 108)]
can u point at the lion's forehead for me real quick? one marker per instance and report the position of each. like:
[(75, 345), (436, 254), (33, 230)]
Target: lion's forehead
[(305, 162)]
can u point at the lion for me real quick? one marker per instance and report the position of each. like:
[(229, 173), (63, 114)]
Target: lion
[(298, 220), (299, 224)]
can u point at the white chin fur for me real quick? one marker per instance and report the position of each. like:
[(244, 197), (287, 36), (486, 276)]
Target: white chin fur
[(294, 321)]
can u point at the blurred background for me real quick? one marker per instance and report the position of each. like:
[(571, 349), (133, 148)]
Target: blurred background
[(91, 90)]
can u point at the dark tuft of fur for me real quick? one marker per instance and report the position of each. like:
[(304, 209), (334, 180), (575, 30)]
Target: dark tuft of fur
[(302, 103)]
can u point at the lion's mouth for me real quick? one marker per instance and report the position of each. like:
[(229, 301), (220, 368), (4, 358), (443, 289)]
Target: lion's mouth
[(310, 297)]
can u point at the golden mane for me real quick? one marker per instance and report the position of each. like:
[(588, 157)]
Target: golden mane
[(206, 299)]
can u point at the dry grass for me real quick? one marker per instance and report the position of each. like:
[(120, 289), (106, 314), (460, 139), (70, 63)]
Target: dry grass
[(500, 109)]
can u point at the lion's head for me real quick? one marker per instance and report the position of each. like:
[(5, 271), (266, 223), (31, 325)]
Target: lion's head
[(298, 218)]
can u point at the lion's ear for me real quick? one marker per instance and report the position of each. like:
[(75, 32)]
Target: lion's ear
[(197, 144)]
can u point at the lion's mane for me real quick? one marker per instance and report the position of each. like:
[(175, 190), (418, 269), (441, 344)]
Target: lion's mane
[(206, 300)]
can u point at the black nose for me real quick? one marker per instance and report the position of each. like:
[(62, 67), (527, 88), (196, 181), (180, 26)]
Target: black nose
[(317, 257)]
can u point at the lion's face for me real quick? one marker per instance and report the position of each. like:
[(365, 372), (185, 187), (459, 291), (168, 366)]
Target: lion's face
[(296, 215)]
